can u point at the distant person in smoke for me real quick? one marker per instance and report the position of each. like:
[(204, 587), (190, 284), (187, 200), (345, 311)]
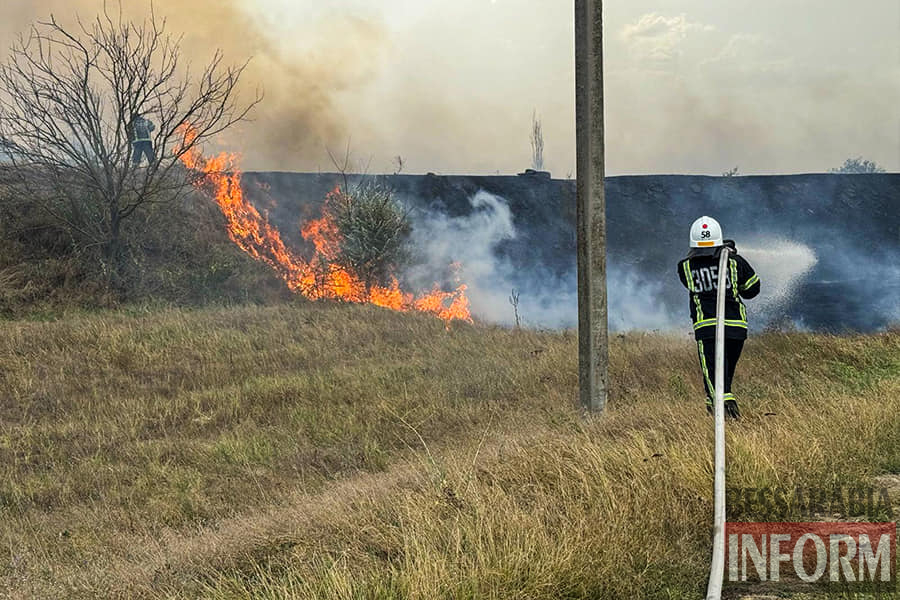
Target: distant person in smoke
[(699, 274), (141, 141)]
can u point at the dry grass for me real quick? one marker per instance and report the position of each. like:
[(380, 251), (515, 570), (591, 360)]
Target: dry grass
[(321, 451)]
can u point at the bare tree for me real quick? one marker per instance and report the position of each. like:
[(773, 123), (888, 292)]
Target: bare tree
[(537, 143), (68, 96), (514, 301)]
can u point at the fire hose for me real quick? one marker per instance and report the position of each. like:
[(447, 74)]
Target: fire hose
[(717, 565)]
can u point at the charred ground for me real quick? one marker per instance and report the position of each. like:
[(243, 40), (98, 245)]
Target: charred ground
[(850, 222), (181, 254)]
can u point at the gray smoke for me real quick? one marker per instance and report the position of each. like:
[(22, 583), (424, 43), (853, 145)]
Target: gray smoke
[(868, 279), (303, 79), (549, 300), (546, 299)]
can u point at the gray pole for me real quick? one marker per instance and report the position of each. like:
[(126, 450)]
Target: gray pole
[(593, 336)]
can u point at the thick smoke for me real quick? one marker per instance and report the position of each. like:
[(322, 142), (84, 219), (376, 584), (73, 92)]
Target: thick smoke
[(452, 86), (301, 79), (473, 241), (546, 299), (636, 300)]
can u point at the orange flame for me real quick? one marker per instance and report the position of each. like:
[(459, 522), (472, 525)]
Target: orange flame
[(319, 277)]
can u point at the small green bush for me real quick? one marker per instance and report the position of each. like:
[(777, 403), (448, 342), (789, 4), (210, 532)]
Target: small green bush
[(373, 231)]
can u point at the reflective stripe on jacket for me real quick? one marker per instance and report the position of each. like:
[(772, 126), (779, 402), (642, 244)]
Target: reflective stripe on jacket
[(142, 129), (699, 274)]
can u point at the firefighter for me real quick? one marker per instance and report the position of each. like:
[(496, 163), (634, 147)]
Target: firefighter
[(141, 142), (699, 274)]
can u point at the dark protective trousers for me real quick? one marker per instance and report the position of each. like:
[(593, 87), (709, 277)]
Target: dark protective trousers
[(706, 349), (142, 148)]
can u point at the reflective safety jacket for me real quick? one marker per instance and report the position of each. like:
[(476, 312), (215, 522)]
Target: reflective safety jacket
[(141, 129), (699, 274)]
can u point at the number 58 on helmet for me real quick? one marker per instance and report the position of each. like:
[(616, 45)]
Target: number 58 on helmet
[(706, 233)]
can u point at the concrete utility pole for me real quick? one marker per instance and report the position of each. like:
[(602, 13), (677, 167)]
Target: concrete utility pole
[(593, 335)]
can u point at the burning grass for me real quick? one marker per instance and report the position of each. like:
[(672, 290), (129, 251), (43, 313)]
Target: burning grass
[(323, 276), (343, 451)]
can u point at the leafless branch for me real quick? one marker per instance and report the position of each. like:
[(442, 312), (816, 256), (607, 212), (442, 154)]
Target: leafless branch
[(537, 143), (68, 96)]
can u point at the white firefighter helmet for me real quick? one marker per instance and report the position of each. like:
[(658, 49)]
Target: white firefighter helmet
[(706, 233)]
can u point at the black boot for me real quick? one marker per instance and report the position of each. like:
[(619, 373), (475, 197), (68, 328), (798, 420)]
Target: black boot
[(731, 410)]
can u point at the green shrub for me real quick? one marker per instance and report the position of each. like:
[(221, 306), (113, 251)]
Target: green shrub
[(373, 231)]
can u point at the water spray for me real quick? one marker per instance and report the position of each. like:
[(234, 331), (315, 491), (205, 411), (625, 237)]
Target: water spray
[(717, 565)]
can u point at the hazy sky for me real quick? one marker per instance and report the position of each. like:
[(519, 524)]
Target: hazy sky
[(770, 86)]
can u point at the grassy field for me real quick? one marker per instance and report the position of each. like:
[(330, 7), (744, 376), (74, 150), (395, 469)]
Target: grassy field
[(336, 451)]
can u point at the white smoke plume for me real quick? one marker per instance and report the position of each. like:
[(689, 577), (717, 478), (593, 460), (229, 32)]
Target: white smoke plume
[(549, 300), (546, 299)]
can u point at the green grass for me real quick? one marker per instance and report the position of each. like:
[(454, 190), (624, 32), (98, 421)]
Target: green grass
[(334, 451)]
